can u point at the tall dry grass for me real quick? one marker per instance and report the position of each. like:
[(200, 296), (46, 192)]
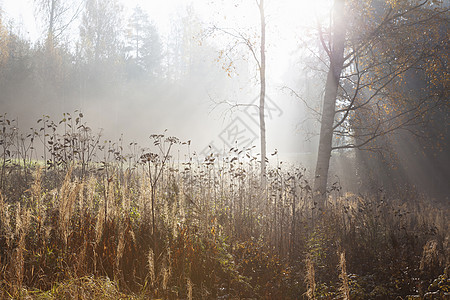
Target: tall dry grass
[(216, 233)]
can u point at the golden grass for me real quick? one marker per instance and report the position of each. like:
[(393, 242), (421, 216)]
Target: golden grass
[(69, 240)]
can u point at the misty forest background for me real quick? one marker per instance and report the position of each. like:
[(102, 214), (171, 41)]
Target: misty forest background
[(98, 201)]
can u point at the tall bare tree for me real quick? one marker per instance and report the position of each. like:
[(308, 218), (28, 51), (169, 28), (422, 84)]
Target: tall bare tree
[(262, 94), (258, 53), (57, 16), (336, 55)]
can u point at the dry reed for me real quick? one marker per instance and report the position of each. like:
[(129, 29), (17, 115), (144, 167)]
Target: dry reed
[(345, 287), (310, 279)]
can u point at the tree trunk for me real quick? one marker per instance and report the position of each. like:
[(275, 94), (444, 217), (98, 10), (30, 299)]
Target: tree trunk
[(51, 25), (262, 95), (329, 102)]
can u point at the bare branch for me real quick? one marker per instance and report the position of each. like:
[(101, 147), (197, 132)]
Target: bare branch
[(301, 98), (322, 41)]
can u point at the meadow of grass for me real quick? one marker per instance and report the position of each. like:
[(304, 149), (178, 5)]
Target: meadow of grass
[(81, 218)]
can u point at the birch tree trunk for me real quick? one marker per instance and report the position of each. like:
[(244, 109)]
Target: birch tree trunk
[(336, 54), (51, 24), (262, 95)]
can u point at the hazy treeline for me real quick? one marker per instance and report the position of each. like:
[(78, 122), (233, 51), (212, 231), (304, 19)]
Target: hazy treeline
[(119, 67)]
